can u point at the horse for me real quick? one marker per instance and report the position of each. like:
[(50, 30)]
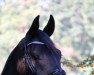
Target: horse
[(35, 54)]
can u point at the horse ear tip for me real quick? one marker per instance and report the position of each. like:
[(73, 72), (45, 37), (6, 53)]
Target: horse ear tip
[(51, 15), (38, 16)]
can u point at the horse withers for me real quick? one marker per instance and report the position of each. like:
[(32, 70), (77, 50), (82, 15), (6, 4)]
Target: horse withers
[(35, 54)]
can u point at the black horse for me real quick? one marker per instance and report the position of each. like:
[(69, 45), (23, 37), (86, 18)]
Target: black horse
[(35, 54)]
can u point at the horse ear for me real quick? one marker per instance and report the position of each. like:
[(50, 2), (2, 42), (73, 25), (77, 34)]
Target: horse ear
[(34, 27), (49, 28)]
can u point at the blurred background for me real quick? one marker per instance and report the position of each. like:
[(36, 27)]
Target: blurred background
[(74, 32)]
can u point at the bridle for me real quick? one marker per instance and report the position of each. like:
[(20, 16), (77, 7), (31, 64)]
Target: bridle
[(31, 66), (27, 57)]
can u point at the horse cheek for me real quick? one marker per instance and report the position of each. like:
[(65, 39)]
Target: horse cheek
[(21, 68)]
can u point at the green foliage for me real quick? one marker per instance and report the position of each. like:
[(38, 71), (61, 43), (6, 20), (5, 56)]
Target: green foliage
[(87, 64)]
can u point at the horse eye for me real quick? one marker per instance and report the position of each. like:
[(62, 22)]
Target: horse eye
[(35, 56)]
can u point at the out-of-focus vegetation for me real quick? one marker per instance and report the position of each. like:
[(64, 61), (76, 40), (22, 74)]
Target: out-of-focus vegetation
[(74, 33)]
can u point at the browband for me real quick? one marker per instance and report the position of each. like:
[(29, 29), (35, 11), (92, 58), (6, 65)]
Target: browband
[(35, 42)]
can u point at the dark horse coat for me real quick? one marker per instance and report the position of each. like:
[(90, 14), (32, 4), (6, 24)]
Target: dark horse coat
[(35, 54)]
